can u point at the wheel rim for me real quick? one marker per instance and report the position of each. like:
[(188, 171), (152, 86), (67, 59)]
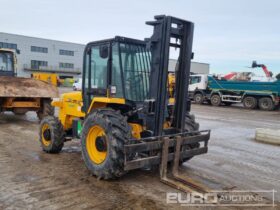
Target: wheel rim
[(96, 144), (215, 99), (46, 135), (198, 98), (265, 103), (249, 102)]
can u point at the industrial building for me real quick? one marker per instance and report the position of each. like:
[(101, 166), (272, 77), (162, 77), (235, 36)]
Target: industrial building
[(196, 67), (63, 58), (44, 55)]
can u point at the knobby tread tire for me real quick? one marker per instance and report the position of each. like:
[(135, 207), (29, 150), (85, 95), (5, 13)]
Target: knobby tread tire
[(190, 126), (46, 110), (57, 134), (118, 133)]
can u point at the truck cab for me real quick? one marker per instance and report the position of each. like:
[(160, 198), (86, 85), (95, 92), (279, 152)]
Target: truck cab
[(197, 87), (198, 82)]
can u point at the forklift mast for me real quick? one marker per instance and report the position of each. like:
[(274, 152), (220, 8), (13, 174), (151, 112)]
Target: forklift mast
[(169, 32)]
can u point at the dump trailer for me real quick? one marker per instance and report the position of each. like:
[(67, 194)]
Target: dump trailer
[(262, 95), (122, 115), (21, 95)]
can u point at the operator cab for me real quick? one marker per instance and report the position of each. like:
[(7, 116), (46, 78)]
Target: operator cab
[(118, 68), (7, 62)]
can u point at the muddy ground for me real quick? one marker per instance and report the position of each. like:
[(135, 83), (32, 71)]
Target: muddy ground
[(32, 179)]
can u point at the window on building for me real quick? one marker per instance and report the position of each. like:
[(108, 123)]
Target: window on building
[(37, 64), (66, 52), (39, 49), (66, 65), (8, 45)]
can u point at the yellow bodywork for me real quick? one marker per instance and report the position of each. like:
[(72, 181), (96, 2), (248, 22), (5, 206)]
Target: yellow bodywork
[(70, 106), (171, 87), (47, 77), (136, 130)]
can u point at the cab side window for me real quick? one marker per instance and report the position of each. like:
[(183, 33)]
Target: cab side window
[(195, 79)]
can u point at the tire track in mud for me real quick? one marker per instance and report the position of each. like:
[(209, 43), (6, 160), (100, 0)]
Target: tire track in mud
[(31, 179)]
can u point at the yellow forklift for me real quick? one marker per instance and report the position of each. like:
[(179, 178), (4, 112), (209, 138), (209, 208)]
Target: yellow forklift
[(123, 115)]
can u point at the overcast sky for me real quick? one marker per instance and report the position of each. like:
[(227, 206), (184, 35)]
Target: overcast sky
[(229, 34)]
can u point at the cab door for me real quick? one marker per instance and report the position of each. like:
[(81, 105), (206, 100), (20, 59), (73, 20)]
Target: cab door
[(96, 70)]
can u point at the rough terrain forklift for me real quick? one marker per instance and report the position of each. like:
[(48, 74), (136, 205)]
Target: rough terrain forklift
[(20, 95), (123, 116)]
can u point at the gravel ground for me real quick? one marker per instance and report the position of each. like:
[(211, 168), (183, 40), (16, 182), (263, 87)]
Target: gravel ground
[(32, 179)]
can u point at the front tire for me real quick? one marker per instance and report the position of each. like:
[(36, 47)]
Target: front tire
[(51, 134), (105, 132)]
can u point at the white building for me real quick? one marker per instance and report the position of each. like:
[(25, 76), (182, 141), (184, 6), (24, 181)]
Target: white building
[(64, 58), (44, 55), (196, 67)]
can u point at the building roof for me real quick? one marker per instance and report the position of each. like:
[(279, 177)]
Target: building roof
[(32, 37)]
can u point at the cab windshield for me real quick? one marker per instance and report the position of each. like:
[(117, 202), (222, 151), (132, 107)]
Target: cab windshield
[(135, 62), (6, 61)]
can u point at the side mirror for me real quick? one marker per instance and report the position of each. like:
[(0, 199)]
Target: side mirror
[(104, 51)]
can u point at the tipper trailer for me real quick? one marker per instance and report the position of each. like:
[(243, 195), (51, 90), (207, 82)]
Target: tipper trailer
[(262, 95), (20, 95)]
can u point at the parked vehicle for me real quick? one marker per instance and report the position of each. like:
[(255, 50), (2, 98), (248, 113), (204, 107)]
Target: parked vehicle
[(20, 95), (122, 116), (77, 85), (263, 95)]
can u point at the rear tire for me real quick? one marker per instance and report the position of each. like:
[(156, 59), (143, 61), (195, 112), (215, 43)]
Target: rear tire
[(198, 98), (215, 100), (107, 161), (46, 110), (266, 104), (51, 134), (190, 126), (250, 102)]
